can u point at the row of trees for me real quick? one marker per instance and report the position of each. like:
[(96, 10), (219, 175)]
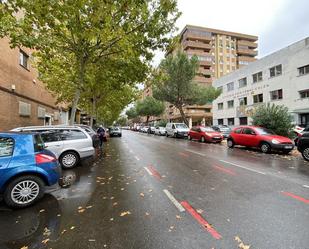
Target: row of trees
[(90, 53)]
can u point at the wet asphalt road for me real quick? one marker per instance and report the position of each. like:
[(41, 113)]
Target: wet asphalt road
[(230, 198)]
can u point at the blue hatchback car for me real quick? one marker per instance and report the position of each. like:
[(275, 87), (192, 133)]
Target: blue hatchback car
[(26, 167)]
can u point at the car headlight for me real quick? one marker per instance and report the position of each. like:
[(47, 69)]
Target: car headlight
[(275, 141)]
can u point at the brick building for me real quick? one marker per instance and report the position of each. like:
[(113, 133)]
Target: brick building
[(24, 100)]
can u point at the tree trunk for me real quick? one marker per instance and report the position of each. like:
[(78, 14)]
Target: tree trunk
[(74, 106), (80, 82), (183, 116), (93, 111), (147, 120)]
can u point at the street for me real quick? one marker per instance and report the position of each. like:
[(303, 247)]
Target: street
[(154, 192)]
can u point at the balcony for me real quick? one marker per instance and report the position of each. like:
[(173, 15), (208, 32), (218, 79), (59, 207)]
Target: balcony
[(249, 44), (205, 71), (194, 44), (248, 52), (187, 35), (245, 58), (203, 80)]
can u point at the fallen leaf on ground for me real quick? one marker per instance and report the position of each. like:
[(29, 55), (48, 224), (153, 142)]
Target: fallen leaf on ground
[(112, 198), (89, 207), (147, 214), (72, 227), (91, 240), (115, 203), (125, 213), (63, 231), (45, 241), (46, 232), (142, 194), (42, 210), (199, 211), (178, 216), (24, 247), (81, 210), (122, 189), (150, 190), (111, 219)]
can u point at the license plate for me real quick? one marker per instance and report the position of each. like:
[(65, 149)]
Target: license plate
[(288, 147)]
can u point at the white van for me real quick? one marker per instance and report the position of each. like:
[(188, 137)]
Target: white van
[(177, 130)]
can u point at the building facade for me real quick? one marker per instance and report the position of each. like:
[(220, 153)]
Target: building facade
[(24, 100), (281, 78), (219, 52)]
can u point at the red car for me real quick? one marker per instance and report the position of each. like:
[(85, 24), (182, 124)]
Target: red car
[(205, 134), (259, 137)]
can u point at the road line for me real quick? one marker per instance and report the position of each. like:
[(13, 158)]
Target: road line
[(299, 198), (243, 167), (194, 152), (154, 172), (136, 157), (173, 200), (201, 220), (148, 171), (305, 186), (227, 171), (183, 154)]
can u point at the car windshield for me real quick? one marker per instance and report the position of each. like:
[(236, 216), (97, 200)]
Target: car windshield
[(183, 126), (264, 131), (207, 129)]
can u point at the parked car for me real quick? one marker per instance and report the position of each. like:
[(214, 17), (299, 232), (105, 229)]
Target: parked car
[(259, 137), (26, 167), (303, 145), (177, 130), (223, 129), (144, 129), (115, 132), (93, 134), (69, 143), (151, 130), (299, 131), (205, 134), (160, 131)]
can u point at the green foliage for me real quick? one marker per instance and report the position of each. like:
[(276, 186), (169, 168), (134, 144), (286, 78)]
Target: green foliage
[(122, 121), (71, 37), (174, 83), (274, 117), (150, 107), (162, 123), (132, 113)]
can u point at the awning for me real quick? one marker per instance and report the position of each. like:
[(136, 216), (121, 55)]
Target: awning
[(304, 110)]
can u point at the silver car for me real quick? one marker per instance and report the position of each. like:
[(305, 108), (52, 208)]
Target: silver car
[(68, 143), (177, 130), (160, 131)]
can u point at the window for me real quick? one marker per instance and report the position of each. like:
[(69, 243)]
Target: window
[(220, 106), (220, 121), (304, 94), (41, 112), (38, 143), (303, 70), (230, 104), (243, 101), (258, 98), (48, 137), (248, 131), (230, 121), (230, 86), (238, 131), (24, 109), (6, 146), (275, 95), (71, 134), (257, 77), (23, 59), (243, 121), (242, 82), (275, 71)]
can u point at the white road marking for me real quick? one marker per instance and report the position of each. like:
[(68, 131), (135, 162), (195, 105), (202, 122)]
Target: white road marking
[(243, 167), (194, 152), (305, 186), (174, 201), (136, 158), (148, 171)]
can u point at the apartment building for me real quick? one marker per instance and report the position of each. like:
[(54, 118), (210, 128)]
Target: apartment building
[(219, 53), (24, 100), (281, 78)]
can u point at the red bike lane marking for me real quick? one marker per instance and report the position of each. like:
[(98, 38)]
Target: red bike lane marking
[(154, 172), (222, 169), (299, 198), (201, 220)]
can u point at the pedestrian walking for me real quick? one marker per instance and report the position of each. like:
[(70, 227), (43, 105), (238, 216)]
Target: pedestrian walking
[(101, 134)]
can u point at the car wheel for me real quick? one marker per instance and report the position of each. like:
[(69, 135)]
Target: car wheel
[(166, 134), (305, 154), (203, 139), (265, 147), (24, 191), (230, 143), (69, 159)]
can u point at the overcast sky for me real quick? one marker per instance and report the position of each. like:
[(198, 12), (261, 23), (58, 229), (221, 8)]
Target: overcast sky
[(277, 23)]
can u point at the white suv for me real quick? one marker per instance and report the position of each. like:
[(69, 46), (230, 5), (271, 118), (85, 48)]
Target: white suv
[(177, 130), (68, 143)]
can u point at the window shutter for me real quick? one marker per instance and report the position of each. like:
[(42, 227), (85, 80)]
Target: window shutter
[(24, 109)]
